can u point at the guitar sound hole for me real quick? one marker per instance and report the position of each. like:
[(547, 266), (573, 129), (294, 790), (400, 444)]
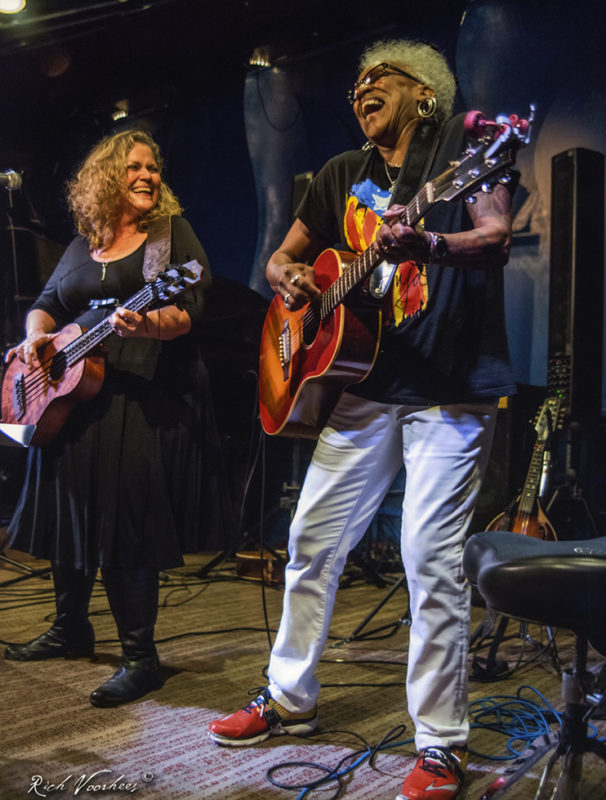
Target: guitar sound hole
[(58, 367), (311, 324)]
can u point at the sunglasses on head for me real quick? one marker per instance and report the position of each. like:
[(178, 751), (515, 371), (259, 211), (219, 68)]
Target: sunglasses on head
[(373, 75)]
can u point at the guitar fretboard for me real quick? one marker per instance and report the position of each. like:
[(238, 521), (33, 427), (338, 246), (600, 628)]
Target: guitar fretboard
[(548, 421), (77, 349), (531, 484), (367, 261)]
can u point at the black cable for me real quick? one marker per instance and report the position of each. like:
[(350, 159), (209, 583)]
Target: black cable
[(261, 540), (343, 767)]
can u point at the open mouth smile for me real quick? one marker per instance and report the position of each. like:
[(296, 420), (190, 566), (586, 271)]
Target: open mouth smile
[(370, 105)]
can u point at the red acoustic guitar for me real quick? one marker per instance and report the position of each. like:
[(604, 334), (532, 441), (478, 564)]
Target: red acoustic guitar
[(45, 395), (308, 357), (527, 516)]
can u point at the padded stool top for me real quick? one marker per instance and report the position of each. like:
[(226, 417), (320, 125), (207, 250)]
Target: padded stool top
[(559, 584)]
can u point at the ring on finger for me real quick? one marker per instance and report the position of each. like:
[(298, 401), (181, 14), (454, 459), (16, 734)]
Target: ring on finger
[(295, 278), (287, 299)]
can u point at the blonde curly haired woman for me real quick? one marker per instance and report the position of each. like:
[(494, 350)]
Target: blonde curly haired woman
[(130, 482)]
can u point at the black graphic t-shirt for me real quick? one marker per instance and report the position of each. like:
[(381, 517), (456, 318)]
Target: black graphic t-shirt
[(444, 338)]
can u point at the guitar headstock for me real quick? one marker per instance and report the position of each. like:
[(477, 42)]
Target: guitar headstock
[(549, 418), (487, 163), (175, 278)]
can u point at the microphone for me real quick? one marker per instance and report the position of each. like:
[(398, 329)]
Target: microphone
[(545, 470), (10, 180), (546, 466)]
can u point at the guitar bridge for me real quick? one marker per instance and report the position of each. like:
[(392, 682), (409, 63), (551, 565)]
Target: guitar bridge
[(18, 396), (284, 349)]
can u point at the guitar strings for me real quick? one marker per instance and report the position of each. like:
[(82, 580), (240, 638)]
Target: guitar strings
[(363, 264), (35, 382)]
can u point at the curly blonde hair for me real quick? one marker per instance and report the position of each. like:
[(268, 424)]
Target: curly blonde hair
[(96, 190), (423, 60)]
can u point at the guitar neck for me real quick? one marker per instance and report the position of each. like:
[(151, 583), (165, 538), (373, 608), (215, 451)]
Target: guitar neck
[(83, 344), (548, 420), (369, 260), (533, 477)]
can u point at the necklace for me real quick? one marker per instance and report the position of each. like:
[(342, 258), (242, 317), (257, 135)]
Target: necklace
[(392, 181), (103, 269)]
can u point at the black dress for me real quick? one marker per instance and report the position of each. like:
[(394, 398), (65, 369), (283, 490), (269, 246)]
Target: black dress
[(134, 478)]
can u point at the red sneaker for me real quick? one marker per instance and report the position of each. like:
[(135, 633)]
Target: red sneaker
[(258, 721), (437, 775)]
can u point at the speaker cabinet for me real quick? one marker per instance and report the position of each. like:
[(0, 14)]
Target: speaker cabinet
[(576, 283)]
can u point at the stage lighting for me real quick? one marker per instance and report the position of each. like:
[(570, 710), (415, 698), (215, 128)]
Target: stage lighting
[(11, 6), (261, 57)]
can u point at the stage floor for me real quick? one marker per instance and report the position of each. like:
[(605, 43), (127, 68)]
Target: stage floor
[(213, 643)]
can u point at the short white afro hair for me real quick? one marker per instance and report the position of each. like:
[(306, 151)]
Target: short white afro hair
[(423, 61)]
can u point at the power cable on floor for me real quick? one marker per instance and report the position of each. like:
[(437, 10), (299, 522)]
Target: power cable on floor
[(345, 766), (519, 719)]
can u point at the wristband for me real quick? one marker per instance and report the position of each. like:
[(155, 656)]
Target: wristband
[(438, 247)]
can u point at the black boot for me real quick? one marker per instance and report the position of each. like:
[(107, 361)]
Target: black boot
[(133, 679), (133, 599), (71, 635)]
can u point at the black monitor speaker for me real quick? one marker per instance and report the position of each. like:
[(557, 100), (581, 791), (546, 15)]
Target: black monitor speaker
[(576, 283)]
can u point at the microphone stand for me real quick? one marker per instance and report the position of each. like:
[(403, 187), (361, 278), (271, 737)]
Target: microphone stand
[(8, 311)]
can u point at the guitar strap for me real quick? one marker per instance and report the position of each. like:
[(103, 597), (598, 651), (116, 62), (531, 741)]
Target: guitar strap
[(412, 176), (417, 163), (157, 248)]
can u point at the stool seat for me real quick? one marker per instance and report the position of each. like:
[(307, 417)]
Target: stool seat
[(560, 584)]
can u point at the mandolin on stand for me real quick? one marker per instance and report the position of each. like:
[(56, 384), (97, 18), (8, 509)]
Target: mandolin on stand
[(526, 515)]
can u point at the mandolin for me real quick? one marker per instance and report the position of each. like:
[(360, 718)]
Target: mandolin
[(527, 516), (72, 367)]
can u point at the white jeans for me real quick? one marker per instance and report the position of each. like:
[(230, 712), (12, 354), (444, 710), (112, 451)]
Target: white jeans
[(444, 450)]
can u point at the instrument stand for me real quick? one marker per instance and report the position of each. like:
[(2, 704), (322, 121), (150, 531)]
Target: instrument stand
[(491, 668), (404, 620), (19, 436), (574, 497), (288, 501), (230, 552), (583, 696), (367, 571), (574, 500), (29, 572)]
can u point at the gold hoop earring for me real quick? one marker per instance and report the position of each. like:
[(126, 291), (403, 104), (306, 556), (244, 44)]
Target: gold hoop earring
[(426, 108)]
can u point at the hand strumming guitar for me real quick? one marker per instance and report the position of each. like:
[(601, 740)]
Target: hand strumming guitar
[(286, 271), (40, 330), (398, 242), (295, 282)]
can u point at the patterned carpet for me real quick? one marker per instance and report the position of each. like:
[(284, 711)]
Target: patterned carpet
[(213, 646)]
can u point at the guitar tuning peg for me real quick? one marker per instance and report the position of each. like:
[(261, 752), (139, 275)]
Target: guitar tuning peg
[(505, 178), (471, 199), (486, 188)]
